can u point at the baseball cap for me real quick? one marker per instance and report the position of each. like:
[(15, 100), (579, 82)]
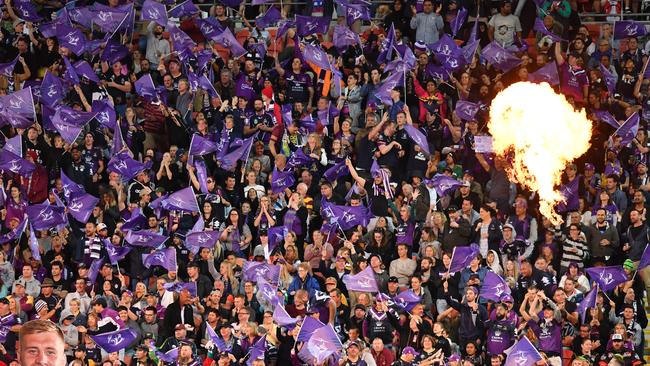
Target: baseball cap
[(353, 343), (259, 251), (356, 307), (508, 226), (589, 166), (101, 226), (409, 351), (392, 279), (19, 282), (507, 298), (4, 300), (617, 337), (452, 208), (466, 183), (47, 283), (629, 265)]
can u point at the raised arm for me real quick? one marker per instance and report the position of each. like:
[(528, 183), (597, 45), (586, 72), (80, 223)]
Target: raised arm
[(353, 172)]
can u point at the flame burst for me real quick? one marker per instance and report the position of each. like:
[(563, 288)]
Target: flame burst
[(539, 132)]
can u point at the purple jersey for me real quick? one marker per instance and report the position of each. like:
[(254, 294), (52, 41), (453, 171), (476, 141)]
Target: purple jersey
[(549, 335), (298, 86), (573, 81)]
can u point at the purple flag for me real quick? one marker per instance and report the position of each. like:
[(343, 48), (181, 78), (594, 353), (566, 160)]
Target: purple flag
[(443, 184), (445, 47), (70, 72), (202, 175), (81, 205), (346, 217), (52, 91), (588, 302), (418, 137), (498, 57), (308, 327), (218, 341), (307, 25), (45, 216), (271, 16), (33, 244), (254, 270), (71, 38), (354, 12), (183, 200), (322, 343), (494, 287), (284, 26), (406, 300), (276, 235), (14, 145), (180, 286), (145, 88), (466, 110), (165, 258), (469, 50), (6, 322), (267, 294), (144, 238), (137, 220), (462, 256), (229, 161), (210, 28), (124, 165), (645, 259), (228, 40), (202, 146), (541, 28), (68, 132), (258, 350), (84, 69), (523, 353), (629, 28), (82, 15), (458, 21), (203, 239), (281, 180), (184, 8), (109, 20), (180, 39), (170, 356), (205, 84), (363, 281), (607, 278), (27, 11), (546, 74), (17, 108), (116, 254), (316, 56), (154, 11), (387, 46), (337, 171), (571, 197), (15, 233), (115, 341), (282, 318), (629, 129), (344, 37), (93, 271), (107, 117), (298, 158), (383, 91), (113, 52), (15, 164), (610, 79), (605, 116), (7, 69)]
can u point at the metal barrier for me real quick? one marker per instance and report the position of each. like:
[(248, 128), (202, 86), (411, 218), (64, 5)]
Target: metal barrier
[(600, 18)]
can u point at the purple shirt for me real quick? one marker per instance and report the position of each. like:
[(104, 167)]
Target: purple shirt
[(573, 80)]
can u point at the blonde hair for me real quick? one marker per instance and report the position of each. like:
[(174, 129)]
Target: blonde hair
[(40, 326)]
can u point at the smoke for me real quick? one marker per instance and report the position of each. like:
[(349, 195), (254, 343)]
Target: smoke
[(539, 133)]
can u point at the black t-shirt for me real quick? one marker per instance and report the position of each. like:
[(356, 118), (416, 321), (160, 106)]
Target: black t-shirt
[(390, 158), (119, 97), (378, 203)]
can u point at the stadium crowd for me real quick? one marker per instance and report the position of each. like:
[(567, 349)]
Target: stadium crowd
[(312, 184)]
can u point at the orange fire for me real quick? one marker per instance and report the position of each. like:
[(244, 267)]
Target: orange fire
[(540, 133)]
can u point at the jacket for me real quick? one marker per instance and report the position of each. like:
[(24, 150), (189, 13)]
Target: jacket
[(427, 27), (309, 284), (468, 329), (596, 236), (455, 237)]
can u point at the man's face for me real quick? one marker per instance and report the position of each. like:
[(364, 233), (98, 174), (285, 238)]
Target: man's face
[(27, 271), (42, 349)]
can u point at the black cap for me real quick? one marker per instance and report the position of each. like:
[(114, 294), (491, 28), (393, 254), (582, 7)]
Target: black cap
[(82, 265), (452, 208), (4, 300), (80, 348), (224, 355), (360, 307), (193, 264), (392, 279)]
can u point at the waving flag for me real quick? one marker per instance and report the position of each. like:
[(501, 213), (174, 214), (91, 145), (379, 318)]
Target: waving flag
[(33, 244), (202, 146), (608, 277), (183, 9), (45, 216), (229, 161), (124, 165), (115, 341), (15, 145), (457, 23), (206, 85), (113, 52), (355, 12), (218, 341), (17, 108), (322, 343), (284, 26), (16, 232), (180, 40), (267, 294), (145, 88), (106, 116), (210, 27), (109, 20), (344, 37), (165, 258), (523, 353), (391, 82), (170, 356), (571, 196), (276, 235), (281, 180), (645, 259), (115, 253), (588, 302), (84, 69), (15, 164), (363, 281), (82, 15), (198, 238), (137, 221), (254, 270), (316, 56), (7, 69), (499, 57), (307, 328), (629, 28), (258, 351), (461, 257), (6, 322), (228, 40), (154, 11), (443, 184), (180, 286), (406, 300), (629, 129), (387, 46), (27, 11), (71, 38), (183, 200), (271, 16), (93, 271), (337, 171), (610, 79), (605, 116), (81, 205), (494, 287), (52, 91), (68, 132), (307, 25), (282, 318), (418, 137), (546, 74), (346, 217), (541, 28), (145, 238)]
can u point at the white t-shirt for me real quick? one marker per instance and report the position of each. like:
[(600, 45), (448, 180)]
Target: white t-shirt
[(505, 29)]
